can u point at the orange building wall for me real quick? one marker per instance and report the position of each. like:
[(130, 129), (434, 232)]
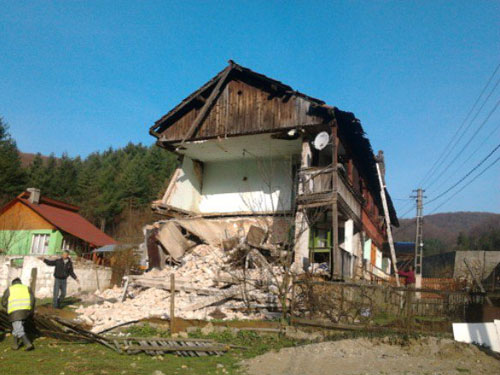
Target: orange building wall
[(20, 217)]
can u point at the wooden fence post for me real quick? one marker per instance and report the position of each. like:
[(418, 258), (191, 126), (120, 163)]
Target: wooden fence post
[(34, 273), (172, 303), (292, 301)]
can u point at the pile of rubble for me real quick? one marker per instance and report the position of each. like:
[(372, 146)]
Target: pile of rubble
[(208, 286)]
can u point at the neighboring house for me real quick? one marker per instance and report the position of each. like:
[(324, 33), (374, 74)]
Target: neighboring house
[(32, 224), (484, 264), (248, 146)]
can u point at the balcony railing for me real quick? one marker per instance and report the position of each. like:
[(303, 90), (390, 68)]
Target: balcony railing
[(315, 184)]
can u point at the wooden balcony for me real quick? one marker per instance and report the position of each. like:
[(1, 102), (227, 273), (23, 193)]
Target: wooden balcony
[(316, 189)]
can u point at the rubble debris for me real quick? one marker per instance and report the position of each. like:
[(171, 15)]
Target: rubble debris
[(256, 236), (206, 283), (172, 239)]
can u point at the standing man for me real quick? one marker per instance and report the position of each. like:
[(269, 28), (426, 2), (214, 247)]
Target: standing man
[(63, 269), (19, 301)]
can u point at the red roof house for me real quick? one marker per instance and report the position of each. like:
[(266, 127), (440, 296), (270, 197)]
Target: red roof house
[(35, 224)]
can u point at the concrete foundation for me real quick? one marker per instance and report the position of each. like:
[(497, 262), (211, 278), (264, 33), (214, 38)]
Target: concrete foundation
[(91, 276)]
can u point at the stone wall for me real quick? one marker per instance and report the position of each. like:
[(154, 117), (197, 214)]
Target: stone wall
[(91, 276)]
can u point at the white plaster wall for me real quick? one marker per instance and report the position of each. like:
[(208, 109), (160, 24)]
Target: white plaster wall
[(378, 259), (367, 250), (246, 185), (348, 236), (186, 192), (7, 272), (84, 270)]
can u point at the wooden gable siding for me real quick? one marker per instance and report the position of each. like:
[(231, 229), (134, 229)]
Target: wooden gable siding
[(244, 109), (20, 217)]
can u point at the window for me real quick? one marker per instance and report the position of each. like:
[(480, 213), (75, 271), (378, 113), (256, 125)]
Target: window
[(69, 243), (40, 243), (74, 244)]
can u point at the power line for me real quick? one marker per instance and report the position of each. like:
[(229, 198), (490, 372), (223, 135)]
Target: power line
[(453, 160), (479, 147), (467, 184), (445, 150), (406, 212), (466, 175)]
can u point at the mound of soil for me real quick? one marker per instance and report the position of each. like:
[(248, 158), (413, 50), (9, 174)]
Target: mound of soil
[(428, 355)]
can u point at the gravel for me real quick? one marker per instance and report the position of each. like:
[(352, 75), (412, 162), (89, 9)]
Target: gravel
[(433, 356)]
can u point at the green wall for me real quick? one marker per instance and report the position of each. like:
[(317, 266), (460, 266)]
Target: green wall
[(19, 241)]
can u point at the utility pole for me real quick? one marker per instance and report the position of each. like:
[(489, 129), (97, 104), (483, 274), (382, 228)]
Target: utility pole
[(419, 239)]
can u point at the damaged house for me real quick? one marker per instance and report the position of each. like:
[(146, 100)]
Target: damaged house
[(259, 159)]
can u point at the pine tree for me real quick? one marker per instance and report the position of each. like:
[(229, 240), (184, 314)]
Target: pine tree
[(36, 173), (12, 175)]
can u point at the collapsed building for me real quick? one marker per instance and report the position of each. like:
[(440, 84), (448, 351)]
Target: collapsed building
[(254, 153), (267, 177)]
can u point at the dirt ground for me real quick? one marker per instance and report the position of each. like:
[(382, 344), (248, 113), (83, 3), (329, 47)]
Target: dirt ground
[(432, 356)]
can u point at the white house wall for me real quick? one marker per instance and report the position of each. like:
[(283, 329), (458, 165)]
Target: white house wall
[(246, 185), (367, 250), (185, 194)]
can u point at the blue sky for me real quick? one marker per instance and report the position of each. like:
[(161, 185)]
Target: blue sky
[(78, 77)]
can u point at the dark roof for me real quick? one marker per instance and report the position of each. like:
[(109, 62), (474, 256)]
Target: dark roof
[(65, 217), (349, 126), (404, 247)]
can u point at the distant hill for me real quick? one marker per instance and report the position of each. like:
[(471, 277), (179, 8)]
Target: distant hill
[(27, 158), (447, 226)]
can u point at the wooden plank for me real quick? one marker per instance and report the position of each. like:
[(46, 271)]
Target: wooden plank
[(225, 294), (202, 113), (174, 348), (172, 303), (388, 224), (336, 257)]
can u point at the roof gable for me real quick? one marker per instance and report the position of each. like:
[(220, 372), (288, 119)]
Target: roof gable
[(17, 216), (245, 103)]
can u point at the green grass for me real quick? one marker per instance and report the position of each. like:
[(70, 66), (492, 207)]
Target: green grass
[(60, 358), (68, 301)]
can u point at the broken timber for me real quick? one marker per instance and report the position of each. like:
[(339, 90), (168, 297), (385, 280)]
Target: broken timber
[(48, 326)]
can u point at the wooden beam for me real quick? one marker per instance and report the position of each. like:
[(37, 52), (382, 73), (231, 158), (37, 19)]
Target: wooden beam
[(208, 104), (388, 224), (336, 258)]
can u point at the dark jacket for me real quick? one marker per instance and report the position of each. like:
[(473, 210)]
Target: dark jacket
[(19, 314), (62, 270)]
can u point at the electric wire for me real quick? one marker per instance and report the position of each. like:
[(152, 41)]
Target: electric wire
[(467, 184), (455, 159), (452, 140), (466, 175), (479, 147)]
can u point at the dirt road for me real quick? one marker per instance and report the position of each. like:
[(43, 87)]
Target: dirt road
[(430, 355)]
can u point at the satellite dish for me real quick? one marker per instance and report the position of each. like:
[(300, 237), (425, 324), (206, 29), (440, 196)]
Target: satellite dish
[(321, 141)]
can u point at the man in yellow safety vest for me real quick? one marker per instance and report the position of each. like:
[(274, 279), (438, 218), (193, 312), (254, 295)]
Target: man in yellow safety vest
[(19, 301)]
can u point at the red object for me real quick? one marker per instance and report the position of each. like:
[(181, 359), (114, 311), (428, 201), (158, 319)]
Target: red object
[(410, 276), (66, 217)]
